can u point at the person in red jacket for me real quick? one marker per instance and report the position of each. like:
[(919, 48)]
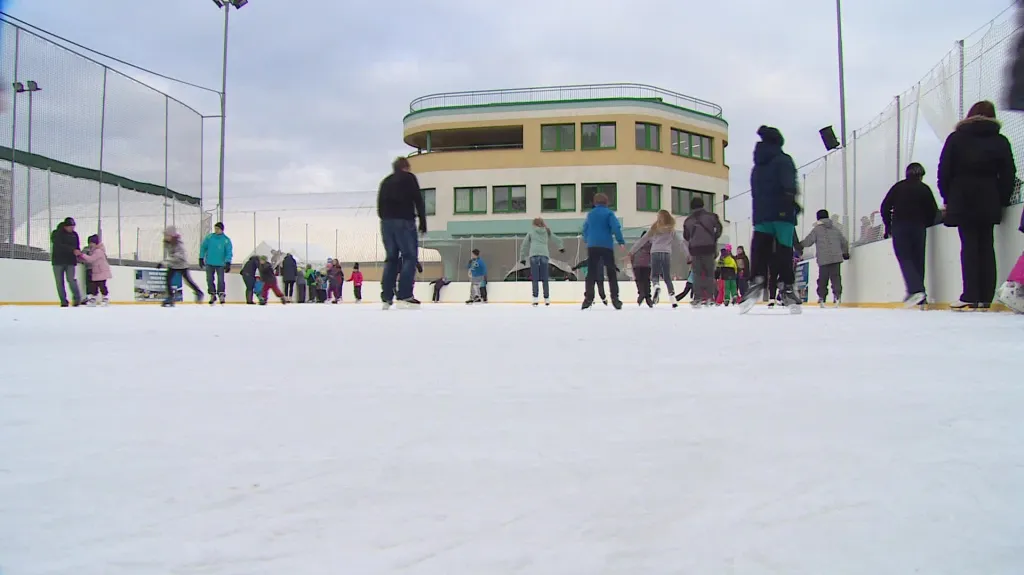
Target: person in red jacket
[(357, 282)]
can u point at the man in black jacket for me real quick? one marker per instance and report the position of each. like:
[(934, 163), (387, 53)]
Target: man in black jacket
[(64, 253), (249, 271), (399, 203)]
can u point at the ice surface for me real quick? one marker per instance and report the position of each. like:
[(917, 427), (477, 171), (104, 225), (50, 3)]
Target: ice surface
[(309, 440)]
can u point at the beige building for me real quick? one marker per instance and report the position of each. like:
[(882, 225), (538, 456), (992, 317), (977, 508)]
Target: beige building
[(491, 161)]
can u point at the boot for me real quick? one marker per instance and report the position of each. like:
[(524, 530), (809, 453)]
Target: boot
[(754, 294)]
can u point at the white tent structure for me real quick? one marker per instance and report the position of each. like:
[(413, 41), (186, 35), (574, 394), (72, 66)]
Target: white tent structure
[(317, 255)]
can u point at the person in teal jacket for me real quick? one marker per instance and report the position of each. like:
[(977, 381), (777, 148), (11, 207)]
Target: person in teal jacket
[(477, 274), (215, 256)]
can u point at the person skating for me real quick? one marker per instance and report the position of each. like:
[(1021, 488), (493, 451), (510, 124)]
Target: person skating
[(640, 259), (99, 272), (399, 204), (438, 284), (357, 282), (269, 280), (831, 250), (742, 270), (688, 288), (662, 237), (65, 248), (215, 257), (289, 275), (976, 178), (601, 231), (248, 273), (176, 262), (701, 230), (536, 249), (584, 269), (336, 281), (908, 210), (774, 196), (477, 274), (727, 271)]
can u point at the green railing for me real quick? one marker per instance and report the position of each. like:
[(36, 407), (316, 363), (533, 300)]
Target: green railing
[(564, 94)]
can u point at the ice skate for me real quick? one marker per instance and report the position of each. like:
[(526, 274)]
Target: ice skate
[(199, 297), (223, 297), (790, 300), (657, 295), (837, 302), (213, 299), (536, 302), (962, 305), (604, 301), (547, 302), (616, 303), (649, 302), (409, 303), (639, 300), (753, 295), (385, 305), (105, 302), (90, 301), (587, 303), (167, 303)]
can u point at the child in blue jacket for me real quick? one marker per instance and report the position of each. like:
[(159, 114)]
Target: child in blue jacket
[(477, 275)]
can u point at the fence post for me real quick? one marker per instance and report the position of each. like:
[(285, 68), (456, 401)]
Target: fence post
[(103, 126), (278, 233), (853, 209), (960, 79), (49, 201), (119, 224), (167, 157), (899, 137), (138, 257), (806, 207), (307, 244), (14, 141), (826, 181), (254, 244)]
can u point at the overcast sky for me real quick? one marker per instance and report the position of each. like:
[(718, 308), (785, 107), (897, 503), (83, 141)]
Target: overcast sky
[(317, 90)]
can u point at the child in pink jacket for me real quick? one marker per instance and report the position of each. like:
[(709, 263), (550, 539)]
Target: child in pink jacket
[(99, 271)]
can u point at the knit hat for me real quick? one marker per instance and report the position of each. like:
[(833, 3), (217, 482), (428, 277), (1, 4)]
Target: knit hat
[(219, 225), (94, 239), (68, 222), (822, 214), (728, 248)]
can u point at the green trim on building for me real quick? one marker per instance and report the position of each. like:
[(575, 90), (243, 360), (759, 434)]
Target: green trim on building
[(567, 104), (43, 163)]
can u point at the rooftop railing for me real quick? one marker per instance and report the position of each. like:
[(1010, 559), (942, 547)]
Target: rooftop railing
[(564, 94)]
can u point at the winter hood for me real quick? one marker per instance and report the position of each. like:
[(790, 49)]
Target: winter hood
[(826, 223), (979, 126), (770, 145)]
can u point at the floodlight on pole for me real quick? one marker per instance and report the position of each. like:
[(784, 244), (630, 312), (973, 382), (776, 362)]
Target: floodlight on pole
[(225, 5)]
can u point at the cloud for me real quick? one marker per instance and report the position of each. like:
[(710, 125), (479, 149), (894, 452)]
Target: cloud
[(316, 95)]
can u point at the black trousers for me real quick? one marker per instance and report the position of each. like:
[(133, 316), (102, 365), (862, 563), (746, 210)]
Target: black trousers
[(643, 281), (766, 254), (909, 242), (602, 262), (289, 288), (437, 292), (977, 263), (250, 285)]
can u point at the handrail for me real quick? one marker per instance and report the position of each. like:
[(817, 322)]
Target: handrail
[(563, 93)]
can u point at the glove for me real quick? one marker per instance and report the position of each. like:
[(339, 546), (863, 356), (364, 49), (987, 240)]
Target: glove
[(160, 266), (887, 234), (423, 227), (522, 262), (227, 268), (202, 263), (846, 256), (562, 250)]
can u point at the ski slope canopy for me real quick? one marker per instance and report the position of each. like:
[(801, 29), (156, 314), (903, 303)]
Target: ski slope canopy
[(342, 439)]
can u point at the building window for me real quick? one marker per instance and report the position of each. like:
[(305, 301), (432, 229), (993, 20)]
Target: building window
[(690, 145), (558, 198), (648, 197), (648, 137), (591, 190), (509, 199), (470, 200), (598, 136), (430, 200), (558, 138), (681, 198)]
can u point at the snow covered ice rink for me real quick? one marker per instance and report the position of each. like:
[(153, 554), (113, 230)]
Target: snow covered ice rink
[(327, 440)]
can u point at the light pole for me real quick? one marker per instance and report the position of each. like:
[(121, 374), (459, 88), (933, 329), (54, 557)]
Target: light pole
[(226, 6), (31, 87), (842, 115)]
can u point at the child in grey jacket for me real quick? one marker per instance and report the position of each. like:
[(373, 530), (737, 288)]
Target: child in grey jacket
[(832, 250), (662, 237), (176, 261)]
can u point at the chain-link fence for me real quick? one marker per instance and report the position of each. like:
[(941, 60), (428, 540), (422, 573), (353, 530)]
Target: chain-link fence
[(82, 140), (878, 153)]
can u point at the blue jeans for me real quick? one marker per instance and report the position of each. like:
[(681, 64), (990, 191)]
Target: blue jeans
[(539, 271), (400, 243)]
